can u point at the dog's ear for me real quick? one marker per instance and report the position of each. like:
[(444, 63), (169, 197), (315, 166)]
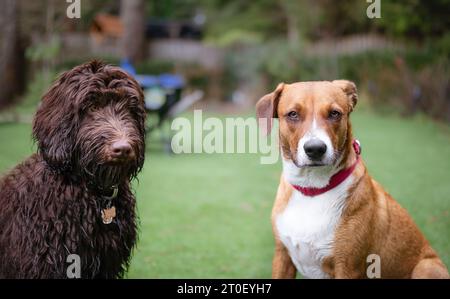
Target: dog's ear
[(56, 122), (349, 89), (266, 108)]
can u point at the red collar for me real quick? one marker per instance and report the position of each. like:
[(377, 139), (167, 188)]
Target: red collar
[(336, 179)]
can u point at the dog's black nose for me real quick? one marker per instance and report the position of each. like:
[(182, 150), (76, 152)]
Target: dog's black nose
[(121, 149), (315, 149)]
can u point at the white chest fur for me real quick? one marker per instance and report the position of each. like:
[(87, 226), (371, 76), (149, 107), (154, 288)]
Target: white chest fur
[(307, 225)]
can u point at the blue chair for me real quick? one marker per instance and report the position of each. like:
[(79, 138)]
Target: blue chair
[(155, 87)]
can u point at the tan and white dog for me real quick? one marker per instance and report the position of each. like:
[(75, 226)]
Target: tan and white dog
[(329, 214)]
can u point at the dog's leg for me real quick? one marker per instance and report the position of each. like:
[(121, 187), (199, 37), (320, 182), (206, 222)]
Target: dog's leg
[(430, 268), (282, 266)]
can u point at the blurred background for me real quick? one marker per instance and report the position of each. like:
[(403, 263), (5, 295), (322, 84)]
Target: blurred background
[(208, 216)]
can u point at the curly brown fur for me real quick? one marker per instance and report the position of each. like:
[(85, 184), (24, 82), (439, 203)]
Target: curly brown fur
[(51, 203)]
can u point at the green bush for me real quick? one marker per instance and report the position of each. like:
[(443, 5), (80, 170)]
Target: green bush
[(154, 67), (35, 90), (396, 80)]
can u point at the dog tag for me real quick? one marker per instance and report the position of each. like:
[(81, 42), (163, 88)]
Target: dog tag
[(108, 215)]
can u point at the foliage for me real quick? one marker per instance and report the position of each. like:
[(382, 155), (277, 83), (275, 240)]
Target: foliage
[(45, 51), (414, 18), (35, 90), (171, 9), (251, 19), (398, 78), (155, 67)]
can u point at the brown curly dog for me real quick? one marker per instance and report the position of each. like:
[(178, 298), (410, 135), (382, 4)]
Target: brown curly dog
[(74, 196)]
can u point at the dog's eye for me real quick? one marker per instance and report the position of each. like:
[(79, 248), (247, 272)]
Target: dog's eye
[(334, 114), (292, 115)]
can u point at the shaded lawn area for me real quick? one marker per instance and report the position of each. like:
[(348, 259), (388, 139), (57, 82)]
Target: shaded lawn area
[(208, 216)]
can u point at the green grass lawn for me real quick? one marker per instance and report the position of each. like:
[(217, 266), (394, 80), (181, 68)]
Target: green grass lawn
[(208, 216)]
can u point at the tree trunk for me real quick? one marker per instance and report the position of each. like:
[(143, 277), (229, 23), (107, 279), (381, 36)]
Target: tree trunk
[(10, 53), (133, 43), (290, 11)]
